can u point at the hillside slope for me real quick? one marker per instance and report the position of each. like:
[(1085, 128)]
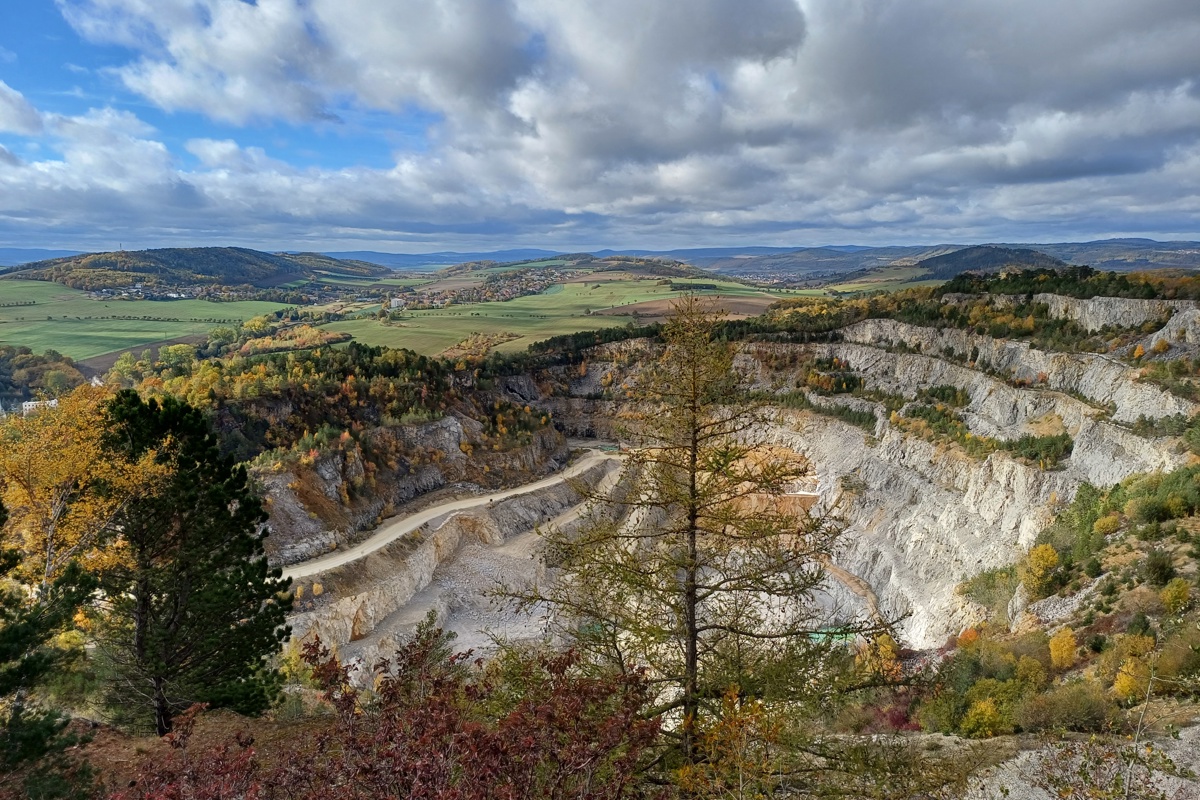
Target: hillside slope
[(986, 258), (190, 266)]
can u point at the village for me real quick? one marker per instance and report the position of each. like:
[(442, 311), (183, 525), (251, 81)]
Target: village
[(496, 287)]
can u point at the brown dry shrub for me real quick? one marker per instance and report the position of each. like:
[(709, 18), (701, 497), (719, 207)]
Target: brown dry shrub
[(1076, 706)]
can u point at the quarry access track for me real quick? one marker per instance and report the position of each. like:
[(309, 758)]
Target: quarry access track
[(397, 527)]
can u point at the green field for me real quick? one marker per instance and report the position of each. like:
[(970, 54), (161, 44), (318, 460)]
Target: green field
[(65, 320), (887, 279), (338, 280), (561, 309)]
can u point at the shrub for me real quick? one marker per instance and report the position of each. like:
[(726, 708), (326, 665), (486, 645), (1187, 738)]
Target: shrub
[(1107, 525), (1138, 625), (1132, 681), (992, 589), (1062, 649), (1031, 672), (1158, 568), (1124, 648), (941, 712), (1076, 706), (1176, 596), (438, 729), (1035, 645), (983, 719), (1046, 450), (1179, 657)]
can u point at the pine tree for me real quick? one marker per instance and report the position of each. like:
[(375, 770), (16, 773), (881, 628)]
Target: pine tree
[(705, 570), (193, 612)]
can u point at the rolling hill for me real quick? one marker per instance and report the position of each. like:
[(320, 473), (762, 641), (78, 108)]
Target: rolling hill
[(986, 258), (231, 266)]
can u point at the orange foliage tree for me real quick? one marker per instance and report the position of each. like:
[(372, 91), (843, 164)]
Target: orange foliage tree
[(62, 487)]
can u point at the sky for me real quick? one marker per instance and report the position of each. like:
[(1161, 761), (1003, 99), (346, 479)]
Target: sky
[(421, 125)]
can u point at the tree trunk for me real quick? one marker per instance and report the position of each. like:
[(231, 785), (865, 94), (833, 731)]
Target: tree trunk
[(162, 709), (691, 667)]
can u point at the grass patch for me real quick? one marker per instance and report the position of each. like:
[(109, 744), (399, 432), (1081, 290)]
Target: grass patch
[(993, 590)]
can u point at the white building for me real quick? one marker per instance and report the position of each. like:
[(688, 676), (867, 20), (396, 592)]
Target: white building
[(31, 406)]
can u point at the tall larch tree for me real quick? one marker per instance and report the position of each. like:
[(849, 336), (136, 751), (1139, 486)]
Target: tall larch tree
[(705, 567)]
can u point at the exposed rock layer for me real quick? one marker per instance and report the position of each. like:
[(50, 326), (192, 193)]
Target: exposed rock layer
[(330, 503)]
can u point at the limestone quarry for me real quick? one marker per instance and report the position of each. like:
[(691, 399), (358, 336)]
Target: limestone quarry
[(922, 513)]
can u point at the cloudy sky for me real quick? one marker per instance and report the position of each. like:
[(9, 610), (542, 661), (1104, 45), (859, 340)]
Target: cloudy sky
[(416, 125)]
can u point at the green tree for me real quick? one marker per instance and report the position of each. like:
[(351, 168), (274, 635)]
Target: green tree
[(704, 571), (177, 357), (193, 613)]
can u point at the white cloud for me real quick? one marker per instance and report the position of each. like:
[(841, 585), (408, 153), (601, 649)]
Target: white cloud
[(16, 113), (649, 121)]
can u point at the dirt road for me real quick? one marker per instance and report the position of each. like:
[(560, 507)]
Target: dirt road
[(397, 527)]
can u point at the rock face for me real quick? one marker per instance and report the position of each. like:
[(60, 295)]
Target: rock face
[(1096, 312), (1101, 379), (1183, 327), (330, 502), (366, 606), (923, 515), (927, 518)]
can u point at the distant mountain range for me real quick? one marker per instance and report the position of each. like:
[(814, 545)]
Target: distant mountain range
[(242, 265), (11, 256), (1109, 254), (1124, 254), (432, 261), (1121, 255)]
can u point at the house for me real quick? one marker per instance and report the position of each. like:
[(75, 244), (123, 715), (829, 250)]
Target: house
[(30, 407)]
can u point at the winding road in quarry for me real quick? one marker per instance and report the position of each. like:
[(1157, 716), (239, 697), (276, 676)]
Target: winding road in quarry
[(397, 527), (520, 547)]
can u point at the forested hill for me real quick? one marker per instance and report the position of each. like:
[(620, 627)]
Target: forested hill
[(987, 258), (233, 266)]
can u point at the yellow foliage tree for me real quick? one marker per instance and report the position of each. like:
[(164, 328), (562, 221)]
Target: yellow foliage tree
[(1176, 596), (1139, 351), (881, 656), (1062, 649), (1132, 681), (1039, 568), (1031, 672), (1107, 524), (62, 488)]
